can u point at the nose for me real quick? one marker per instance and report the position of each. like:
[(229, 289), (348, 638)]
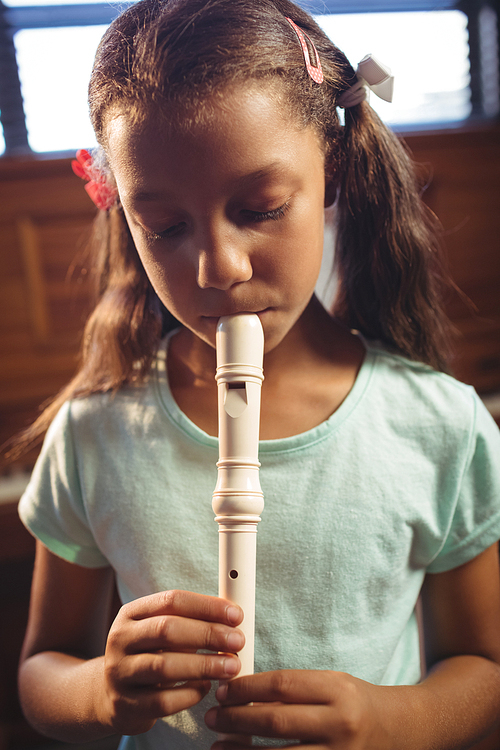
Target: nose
[(223, 259)]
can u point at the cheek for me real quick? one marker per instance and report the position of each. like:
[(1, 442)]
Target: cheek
[(301, 257), (152, 264), (159, 270), (153, 260)]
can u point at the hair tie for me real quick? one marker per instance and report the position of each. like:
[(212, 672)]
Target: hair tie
[(315, 71), (98, 188), (371, 74)]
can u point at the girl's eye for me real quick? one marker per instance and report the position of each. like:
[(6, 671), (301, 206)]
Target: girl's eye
[(274, 215), (252, 216), (170, 232)]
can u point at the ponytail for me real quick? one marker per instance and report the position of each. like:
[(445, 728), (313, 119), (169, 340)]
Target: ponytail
[(123, 331), (388, 251)]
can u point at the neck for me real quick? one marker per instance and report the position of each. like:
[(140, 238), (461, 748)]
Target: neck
[(314, 367), (316, 337), (191, 361)]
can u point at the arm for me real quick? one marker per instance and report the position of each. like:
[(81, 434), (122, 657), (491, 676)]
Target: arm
[(462, 635), (79, 683), (453, 707), (70, 608)]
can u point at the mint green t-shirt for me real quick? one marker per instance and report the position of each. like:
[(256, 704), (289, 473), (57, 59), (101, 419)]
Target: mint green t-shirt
[(402, 480)]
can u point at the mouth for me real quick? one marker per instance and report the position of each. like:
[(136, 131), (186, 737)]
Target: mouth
[(215, 318)]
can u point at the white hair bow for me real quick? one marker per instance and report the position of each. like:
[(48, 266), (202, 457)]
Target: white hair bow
[(372, 74)]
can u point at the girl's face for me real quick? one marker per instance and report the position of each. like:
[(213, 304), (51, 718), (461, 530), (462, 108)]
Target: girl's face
[(227, 215)]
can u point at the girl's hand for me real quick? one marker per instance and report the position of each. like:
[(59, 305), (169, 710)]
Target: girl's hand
[(151, 665), (320, 709)]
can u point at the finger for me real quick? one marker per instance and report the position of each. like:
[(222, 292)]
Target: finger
[(136, 711), (165, 702), (283, 686), (289, 722), (165, 669), (184, 604), (173, 633)]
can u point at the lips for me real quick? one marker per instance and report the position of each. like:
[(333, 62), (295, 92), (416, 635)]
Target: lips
[(240, 311)]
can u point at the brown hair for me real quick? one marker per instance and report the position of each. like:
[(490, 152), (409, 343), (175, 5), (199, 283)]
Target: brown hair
[(166, 57)]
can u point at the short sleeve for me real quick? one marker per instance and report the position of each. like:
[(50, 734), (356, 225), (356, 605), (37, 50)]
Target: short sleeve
[(475, 524), (52, 507)]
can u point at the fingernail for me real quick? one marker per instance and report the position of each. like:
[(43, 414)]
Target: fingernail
[(221, 693), (210, 718), (231, 666), (233, 614), (235, 641)]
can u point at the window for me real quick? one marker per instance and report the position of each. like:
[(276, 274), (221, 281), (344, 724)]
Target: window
[(431, 81), (445, 63), (56, 114)]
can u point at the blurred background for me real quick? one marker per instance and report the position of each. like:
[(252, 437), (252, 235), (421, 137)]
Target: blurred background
[(444, 55)]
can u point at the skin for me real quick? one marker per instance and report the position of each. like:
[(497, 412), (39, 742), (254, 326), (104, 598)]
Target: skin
[(239, 210), (228, 217)]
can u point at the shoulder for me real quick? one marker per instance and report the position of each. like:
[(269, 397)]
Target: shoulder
[(96, 419), (420, 385), (434, 408), (441, 417), (128, 403)]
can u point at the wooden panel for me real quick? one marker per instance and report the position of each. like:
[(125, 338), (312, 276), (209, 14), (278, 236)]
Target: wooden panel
[(45, 216), (57, 289), (464, 192), (45, 221)]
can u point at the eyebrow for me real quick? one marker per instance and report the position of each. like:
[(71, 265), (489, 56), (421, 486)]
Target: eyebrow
[(273, 169)]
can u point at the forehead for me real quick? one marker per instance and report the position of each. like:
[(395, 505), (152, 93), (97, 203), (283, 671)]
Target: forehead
[(237, 130)]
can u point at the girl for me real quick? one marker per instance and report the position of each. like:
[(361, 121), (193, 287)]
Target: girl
[(223, 147)]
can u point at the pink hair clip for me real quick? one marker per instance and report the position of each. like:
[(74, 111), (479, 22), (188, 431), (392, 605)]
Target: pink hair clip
[(315, 71), (98, 188)]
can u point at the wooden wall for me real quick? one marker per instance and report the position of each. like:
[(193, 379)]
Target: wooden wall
[(464, 192), (45, 216)]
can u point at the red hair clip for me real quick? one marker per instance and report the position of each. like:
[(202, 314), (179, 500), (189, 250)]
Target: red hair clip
[(315, 71), (98, 188)]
